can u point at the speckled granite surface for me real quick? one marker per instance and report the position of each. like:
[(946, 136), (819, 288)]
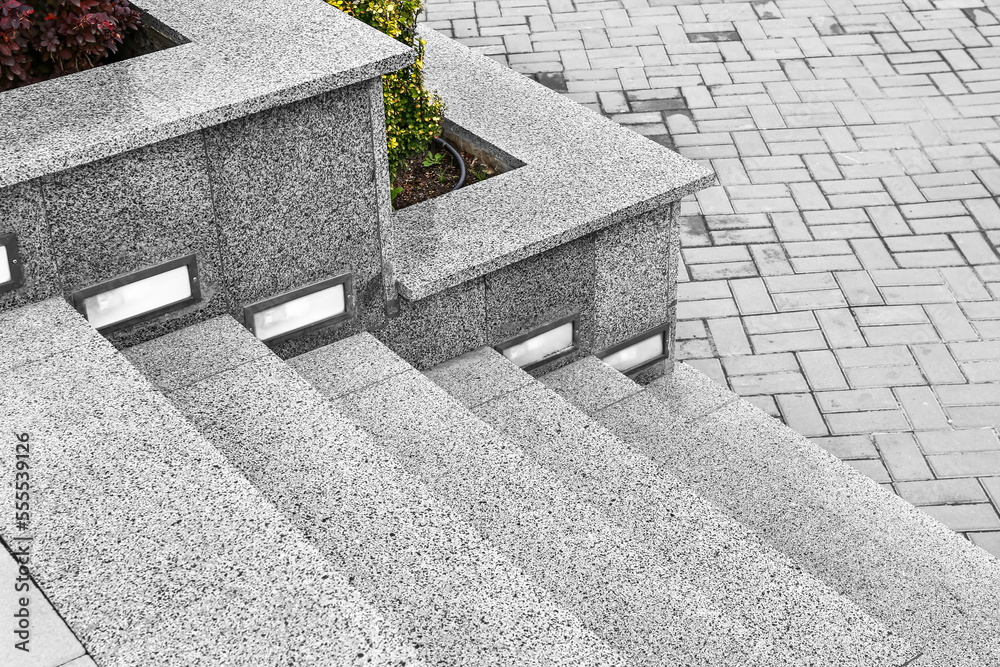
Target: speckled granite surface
[(624, 594), (923, 581), (407, 552), (146, 541), (240, 59), (795, 619), (582, 173)]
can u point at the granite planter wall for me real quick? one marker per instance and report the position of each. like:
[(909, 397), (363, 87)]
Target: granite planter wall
[(264, 155), (584, 221), (259, 152)]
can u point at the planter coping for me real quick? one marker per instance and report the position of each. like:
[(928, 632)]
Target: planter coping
[(581, 173), (238, 59)]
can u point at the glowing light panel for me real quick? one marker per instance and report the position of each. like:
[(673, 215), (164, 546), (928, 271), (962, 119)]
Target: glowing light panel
[(5, 274), (138, 298), (541, 346), (300, 312), (637, 353)]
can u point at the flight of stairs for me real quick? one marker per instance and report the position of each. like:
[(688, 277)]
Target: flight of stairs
[(201, 501)]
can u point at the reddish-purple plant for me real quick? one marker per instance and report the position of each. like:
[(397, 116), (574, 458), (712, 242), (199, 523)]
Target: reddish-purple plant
[(50, 38), (14, 56), (76, 35)]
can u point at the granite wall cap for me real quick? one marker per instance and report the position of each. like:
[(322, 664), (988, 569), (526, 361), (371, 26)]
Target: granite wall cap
[(582, 173), (242, 58)]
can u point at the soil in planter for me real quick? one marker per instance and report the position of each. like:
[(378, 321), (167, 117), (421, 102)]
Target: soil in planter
[(420, 183)]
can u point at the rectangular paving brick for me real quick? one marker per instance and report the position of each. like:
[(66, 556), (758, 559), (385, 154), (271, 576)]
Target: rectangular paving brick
[(969, 394), (937, 363), (902, 457), (858, 288), (866, 422), (822, 370), (781, 322), (962, 518), (886, 376), (840, 328), (788, 342), (848, 446), (800, 413), (921, 407), (942, 491), (809, 300), (968, 464), (856, 400), (769, 383), (958, 440), (751, 296), (760, 364), (729, 337)]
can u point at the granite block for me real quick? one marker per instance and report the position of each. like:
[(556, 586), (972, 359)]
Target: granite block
[(138, 209), (477, 377), (196, 352), (924, 582), (146, 540), (460, 601), (794, 618), (41, 330), (295, 203), (582, 173), (348, 365), (689, 394), (526, 513), (432, 330), (51, 643), (241, 59), (22, 212), (590, 384), (636, 272), (543, 288)]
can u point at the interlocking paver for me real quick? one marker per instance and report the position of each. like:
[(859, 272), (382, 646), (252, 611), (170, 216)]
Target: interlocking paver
[(844, 273)]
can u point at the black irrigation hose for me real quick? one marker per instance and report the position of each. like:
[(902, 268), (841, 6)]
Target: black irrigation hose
[(458, 159)]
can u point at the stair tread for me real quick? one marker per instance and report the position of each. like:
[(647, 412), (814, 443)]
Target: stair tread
[(127, 538), (527, 513), (922, 580), (406, 551), (792, 615)]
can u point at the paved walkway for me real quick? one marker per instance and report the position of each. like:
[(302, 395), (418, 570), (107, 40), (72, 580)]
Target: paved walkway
[(844, 274)]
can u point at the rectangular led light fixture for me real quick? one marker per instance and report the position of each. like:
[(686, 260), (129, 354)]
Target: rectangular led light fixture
[(639, 352), (140, 296), (11, 276), (544, 344), (300, 311)]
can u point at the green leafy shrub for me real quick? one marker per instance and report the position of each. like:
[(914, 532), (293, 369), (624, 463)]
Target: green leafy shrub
[(412, 113)]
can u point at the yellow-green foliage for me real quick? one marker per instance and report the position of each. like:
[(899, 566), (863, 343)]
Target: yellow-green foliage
[(412, 113)]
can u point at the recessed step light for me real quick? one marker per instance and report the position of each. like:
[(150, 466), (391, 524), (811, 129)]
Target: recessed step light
[(10, 263), (639, 352), (140, 296), (302, 310), (544, 344)]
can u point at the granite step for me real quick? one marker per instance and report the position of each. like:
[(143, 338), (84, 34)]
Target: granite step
[(924, 582), (151, 547), (454, 596), (794, 618), (617, 585)]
